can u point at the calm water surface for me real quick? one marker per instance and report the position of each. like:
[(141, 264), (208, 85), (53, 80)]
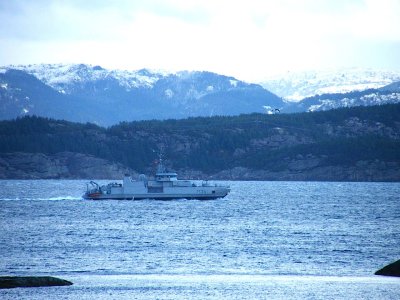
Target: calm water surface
[(275, 240)]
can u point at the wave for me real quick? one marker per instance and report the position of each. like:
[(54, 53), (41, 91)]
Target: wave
[(64, 198)]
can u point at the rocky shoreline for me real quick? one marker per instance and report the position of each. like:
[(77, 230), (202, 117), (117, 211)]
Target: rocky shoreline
[(69, 165), (365, 171), (63, 165)]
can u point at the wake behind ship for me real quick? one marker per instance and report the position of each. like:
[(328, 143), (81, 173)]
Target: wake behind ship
[(165, 186)]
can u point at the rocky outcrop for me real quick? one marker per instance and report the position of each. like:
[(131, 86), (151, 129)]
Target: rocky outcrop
[(311, 169), (355, 126), (68, 165), (392, 269), (65, 165), (7, 282)]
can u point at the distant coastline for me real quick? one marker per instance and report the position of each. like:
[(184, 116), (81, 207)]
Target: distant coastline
[(67, 165), (348, 144)]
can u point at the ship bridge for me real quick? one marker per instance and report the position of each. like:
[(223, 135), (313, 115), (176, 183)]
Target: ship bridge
[(167, 176)]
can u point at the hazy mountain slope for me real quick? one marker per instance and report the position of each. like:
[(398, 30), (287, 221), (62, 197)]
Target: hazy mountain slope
[(23, 94), (393, 87)]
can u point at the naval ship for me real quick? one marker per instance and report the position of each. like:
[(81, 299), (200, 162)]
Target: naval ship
[(165, 186)]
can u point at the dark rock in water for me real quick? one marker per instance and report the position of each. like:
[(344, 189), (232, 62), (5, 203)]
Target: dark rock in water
[(392, 269), (7, 282)]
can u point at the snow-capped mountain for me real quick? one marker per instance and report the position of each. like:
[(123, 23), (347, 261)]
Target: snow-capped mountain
[(299, 85), (93, 94), (64, 77), (385, 95), (85, 93)]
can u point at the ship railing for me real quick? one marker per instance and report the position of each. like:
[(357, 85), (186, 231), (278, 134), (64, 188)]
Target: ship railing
[(92, 187)]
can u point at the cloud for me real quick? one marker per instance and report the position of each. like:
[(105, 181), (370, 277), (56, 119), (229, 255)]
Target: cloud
[(242, 38), (377, 20), (100, 19)]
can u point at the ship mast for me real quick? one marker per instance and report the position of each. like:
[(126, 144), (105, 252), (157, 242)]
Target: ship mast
[(160, 167)]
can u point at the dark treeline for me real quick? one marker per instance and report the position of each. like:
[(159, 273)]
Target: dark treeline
[(256, 141)]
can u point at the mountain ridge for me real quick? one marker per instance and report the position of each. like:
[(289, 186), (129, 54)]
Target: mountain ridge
[(118, 96), (86, 93)]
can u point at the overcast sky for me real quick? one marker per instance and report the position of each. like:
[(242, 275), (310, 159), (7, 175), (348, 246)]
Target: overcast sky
[(249, 39)]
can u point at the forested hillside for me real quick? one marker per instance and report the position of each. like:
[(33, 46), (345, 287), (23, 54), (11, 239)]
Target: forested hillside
[(360, 143)]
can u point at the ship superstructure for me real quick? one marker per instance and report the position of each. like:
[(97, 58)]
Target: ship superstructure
[(164, 186)]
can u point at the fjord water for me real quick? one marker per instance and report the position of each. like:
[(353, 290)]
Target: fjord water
[(274, 240)]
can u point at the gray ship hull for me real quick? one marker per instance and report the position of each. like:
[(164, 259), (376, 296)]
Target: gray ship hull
[(165, 187), (153, 197)]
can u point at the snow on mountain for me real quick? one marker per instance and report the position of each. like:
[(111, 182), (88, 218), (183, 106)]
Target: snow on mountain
[(374, 98), (72, 91), (62, 76), (298, 85), (72, 78)]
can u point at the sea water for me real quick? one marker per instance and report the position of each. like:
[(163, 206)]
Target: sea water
[(265, 240)]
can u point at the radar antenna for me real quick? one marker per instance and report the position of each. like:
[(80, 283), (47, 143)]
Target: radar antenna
[(160, 165)]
